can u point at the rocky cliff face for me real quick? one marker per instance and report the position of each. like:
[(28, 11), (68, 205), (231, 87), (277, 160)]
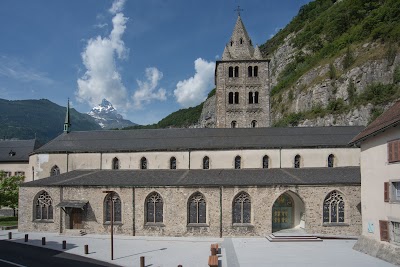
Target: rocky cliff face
[(107, 116)]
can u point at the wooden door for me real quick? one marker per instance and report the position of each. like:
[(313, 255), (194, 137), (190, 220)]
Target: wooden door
[(76, 219)]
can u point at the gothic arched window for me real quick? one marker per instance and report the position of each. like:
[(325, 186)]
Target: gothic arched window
[(238, 162), (206, 163), (236, 71), (265, 162), (255, 71), (250, 97), (230, 98), (115, 164), (43, 206), (333, 211), (154, 208), (297, 160), (236, 98), (233, 124), (253, 124), (241, 208), (172, 163), (143, 163), (230, 72), (256, 98), (250, 71), (331, 160), (197, 208), (54, 170), (112, 201)]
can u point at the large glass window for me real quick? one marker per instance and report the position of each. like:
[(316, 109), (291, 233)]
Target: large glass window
[(396, 231), (197, 208), (242, 208), (333, 210), (154, 208), (112, 201), (44, 207)]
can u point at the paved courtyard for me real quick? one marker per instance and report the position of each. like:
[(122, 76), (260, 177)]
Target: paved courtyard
[(194, 251)]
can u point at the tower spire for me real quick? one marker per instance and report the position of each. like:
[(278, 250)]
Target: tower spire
[(67, 122)]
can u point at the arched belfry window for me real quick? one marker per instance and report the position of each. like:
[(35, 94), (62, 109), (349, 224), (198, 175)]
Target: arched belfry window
[(331, 160), (241, 40), (231, 43), (54, 170), (333, 211), (255, 97), (250, 71), (143, 163), (233, 124), (115, 164), (236, 97), (297, 160), (43, 206), (265, 162), (241, 208), (206, 163), (250, 97), (230, 97), (230, 72), (255, 71), (236, 71), (112, 203), (172, 163), (197, 208), (253, 124), (238, 162), (154, 208)]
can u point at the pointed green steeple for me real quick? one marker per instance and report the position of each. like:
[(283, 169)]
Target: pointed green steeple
[(67, 122)]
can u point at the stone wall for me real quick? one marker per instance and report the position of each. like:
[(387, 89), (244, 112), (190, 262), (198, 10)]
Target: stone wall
[(309, 199)]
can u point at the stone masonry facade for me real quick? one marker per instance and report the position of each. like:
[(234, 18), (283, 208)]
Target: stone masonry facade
[(219, 203)]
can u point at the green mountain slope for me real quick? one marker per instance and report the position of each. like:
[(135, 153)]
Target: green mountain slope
[(23, 119)]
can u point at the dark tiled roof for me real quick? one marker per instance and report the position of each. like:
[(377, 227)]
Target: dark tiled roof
[(389, 118), (19, 149), (217, 177), (200, 139)]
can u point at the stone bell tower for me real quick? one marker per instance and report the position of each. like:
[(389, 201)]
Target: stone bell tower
[(242, 83)]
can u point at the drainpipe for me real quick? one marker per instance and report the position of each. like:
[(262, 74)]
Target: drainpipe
[(280, 157), (189, 159), (220, 212), (67, 161), (101, 160), (133, 211), (61, 212)]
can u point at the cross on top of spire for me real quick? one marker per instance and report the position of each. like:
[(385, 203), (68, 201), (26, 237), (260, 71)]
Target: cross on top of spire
[(238, 9)]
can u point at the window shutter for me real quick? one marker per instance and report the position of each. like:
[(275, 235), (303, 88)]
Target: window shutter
[(390, 152), (386, 191), (384, 230)]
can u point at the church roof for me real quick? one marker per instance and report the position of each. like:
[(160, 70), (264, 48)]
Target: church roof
[(389, 118), (200, 139), (240, 46), (213, 177), (17, 150)]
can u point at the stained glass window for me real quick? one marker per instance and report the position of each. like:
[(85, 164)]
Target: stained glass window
[(112, 199), (44, 207), (197, 209), (206, 163), (55, 170), (265, 162), (333, 211), (242, 209), (237, 162), (154, 208), (331, 159), (143, 163)]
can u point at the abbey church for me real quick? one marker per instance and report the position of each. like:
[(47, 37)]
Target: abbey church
[(242, 178)]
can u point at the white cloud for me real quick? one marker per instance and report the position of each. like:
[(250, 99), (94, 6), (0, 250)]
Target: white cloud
[(102, 79), (117, 6), (192, 91), (147, 90), (100, 25)]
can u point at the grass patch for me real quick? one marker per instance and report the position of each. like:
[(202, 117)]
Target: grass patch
[(8, 221)]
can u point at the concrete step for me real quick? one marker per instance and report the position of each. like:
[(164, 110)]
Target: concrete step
[(293, 238)]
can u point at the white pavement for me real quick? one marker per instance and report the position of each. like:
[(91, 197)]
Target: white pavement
[(194, 251)]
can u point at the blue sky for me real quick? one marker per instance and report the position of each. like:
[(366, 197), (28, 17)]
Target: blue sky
[(148, 58)]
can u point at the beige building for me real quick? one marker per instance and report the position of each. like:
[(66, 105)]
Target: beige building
[(380, 190)]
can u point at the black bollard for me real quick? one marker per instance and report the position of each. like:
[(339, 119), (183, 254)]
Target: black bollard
[(43, 241), (64, 245), (86, 249), (9, 235), (179, 265), (26, 237), (142, 261)]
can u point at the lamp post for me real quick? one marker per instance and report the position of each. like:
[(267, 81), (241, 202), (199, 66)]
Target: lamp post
[(112, 222)]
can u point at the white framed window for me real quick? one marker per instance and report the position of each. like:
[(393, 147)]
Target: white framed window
[(396, 232), (396, 189)]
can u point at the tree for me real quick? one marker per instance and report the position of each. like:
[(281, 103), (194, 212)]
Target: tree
[(9, 187)]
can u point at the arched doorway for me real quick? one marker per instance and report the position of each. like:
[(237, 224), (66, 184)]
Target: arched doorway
[(288, 212), (282, 213)]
